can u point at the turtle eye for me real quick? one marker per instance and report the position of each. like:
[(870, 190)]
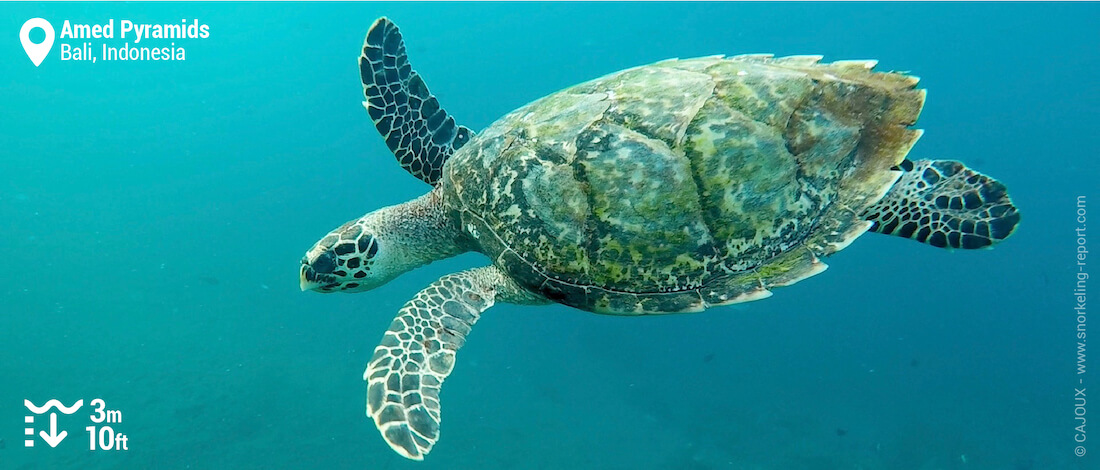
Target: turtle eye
[(325, 263), (368, 246)]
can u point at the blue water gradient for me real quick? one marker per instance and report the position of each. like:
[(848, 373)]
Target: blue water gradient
[(152, 215)]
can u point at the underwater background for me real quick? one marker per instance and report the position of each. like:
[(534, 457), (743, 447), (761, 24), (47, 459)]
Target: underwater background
[(153, 214)]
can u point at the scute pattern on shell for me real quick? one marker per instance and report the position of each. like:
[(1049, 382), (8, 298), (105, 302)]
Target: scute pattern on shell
[(686, 183)]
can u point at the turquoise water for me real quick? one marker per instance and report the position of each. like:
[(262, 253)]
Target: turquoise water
[(152, 215)]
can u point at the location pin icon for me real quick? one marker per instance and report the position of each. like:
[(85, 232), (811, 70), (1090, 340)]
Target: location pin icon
[(37, 52)]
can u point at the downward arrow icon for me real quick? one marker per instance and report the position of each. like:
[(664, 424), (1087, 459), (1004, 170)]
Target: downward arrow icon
[(53, 438)]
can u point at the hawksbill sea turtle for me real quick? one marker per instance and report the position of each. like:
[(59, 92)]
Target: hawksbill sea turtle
[(672, 187)]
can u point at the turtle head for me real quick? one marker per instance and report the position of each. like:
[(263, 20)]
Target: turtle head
[(372, 250), (352, 258)]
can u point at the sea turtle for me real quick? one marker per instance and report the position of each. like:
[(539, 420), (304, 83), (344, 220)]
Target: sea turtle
[(672, 187)]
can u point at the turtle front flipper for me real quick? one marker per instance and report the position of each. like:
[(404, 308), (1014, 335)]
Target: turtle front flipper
[(418, 132), (945, 204), (418, 353)]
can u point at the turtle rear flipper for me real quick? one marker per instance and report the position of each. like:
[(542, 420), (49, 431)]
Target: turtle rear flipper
[(417, 130), (945, 204)]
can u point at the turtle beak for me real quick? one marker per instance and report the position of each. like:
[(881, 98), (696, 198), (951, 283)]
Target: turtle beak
[(303, 279), (307, 277)]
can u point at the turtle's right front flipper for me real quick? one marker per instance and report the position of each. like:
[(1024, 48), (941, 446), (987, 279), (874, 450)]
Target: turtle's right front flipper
[(945, 204), (418, 352), (419, 132)]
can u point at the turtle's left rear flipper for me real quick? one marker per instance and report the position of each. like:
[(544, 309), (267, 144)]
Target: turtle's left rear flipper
[(417, 130), (945, 204)]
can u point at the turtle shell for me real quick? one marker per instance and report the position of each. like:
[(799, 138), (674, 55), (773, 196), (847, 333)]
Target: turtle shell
[(687, 183)]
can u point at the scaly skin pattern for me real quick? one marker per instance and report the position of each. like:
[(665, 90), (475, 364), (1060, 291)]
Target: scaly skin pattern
[(686, 183), (418, 353)]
